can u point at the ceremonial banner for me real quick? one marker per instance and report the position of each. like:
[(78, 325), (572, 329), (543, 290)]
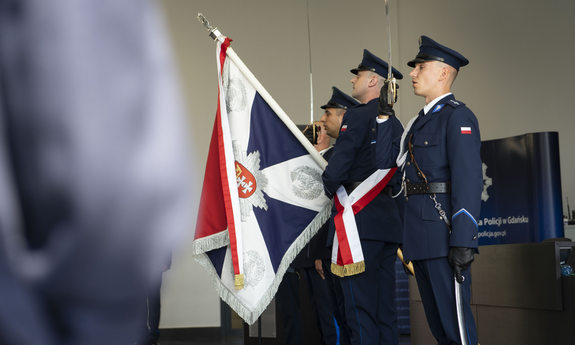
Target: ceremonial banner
[(262, 198)]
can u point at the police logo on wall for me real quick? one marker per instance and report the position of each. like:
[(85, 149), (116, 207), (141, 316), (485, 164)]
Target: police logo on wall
[(487, 182), (306, 183), (236, 95), (250, 181)]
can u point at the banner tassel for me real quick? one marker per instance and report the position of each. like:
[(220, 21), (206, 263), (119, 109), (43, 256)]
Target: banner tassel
[(239, 281)]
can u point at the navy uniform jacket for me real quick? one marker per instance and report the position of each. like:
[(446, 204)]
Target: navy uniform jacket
[(446, 144), (352, 161), (386, 152)]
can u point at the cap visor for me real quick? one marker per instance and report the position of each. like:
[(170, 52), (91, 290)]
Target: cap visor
[(416, 60), (356, 70)]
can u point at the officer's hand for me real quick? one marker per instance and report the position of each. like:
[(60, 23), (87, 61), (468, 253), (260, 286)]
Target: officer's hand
[(383, 106), (460, 259), (405, 263), (309, 133), (319, 268)]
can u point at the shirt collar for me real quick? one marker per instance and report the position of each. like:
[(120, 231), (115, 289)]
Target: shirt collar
[(432, 103), (324, 150)]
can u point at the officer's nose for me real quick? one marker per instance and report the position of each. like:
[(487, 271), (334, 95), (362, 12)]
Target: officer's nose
[(413, 74)]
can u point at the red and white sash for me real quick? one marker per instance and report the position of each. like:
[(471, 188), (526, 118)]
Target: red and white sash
[(347, 255)]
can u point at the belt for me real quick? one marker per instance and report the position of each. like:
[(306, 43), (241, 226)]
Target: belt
[(428, 188), (349, 187)]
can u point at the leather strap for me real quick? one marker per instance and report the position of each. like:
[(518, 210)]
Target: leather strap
[(428, 188), (420, 173)]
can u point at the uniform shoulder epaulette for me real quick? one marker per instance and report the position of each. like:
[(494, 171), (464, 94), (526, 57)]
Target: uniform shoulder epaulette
[(455, 103)]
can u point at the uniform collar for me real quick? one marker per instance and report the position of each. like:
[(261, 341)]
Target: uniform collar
[(324, 150), (376, 99), (434, 102)]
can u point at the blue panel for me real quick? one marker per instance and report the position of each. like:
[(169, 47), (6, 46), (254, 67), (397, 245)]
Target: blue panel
[(217, 257), (546, 171), (270, 136), (524, 200), (281, 224)]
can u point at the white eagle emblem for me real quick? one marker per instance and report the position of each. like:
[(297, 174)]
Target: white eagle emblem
[(250, 181)]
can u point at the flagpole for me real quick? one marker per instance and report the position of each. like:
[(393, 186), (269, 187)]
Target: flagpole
[(278, 110), (310, 79), (216, 35), (392, 84)]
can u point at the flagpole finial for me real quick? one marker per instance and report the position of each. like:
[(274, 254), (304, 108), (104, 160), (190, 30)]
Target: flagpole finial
[(214, 32)]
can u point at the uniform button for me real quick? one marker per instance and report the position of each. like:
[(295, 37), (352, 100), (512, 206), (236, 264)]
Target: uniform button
[(408, 163), (373, 130), (425, 143), (406, 198), (474, 238)]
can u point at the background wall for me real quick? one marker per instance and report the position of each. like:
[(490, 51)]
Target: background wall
[(519, 79)]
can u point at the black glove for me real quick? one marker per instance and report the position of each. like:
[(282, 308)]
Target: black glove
[(310, 135), (460, 259), (405, 263), (383, 107)]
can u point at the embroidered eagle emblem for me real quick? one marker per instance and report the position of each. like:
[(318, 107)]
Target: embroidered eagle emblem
[(250, 181)]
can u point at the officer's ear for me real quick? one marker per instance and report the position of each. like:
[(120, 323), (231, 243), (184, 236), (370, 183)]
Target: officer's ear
[(373, 80), (444, 74)]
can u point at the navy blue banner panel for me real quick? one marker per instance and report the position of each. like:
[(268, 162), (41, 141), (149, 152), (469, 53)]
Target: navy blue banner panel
[(521, 200)]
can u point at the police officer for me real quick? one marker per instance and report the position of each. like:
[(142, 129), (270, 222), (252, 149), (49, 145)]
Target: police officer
[(369, 295), (305, 263), (331, 119), (334, 111), (440, 153)]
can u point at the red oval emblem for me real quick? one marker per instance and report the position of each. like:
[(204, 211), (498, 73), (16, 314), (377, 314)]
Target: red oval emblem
[(245, 180)]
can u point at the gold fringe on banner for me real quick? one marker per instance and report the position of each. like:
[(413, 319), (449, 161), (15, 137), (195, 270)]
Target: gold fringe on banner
[(348, 270), (239, 281)]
